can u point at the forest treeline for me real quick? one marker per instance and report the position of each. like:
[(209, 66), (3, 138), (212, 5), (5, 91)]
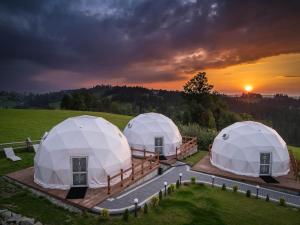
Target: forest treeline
[(196, 106)]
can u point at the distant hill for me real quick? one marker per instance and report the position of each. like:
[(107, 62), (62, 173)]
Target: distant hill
[(281, 112)]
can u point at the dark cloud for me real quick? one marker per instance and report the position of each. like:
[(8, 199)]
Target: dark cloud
[(53, 44)]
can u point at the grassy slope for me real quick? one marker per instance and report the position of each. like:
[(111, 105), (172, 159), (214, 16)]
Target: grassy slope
[(296, 151), (16, 125), (190, 205), (195, 158)]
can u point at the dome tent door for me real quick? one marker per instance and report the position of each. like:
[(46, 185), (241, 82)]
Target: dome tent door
[(79, 171), (265, 164), (159, 145)]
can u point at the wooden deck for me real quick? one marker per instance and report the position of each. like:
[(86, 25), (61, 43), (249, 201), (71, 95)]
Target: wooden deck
[(93, 196), (287, 182)]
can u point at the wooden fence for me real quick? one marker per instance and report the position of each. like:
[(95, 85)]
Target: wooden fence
[(27, 144), (149, 161), (295, 164), (188, 145)]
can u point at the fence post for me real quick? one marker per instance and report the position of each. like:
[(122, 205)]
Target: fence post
[(157, 158), (144, 153), (143, 166), (121, 177), (176, 152), (132, 171), (150, 161), (108, 184)]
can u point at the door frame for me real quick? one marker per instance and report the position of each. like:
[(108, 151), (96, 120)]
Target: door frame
[(86, 172), (163, 144), (270, 164)]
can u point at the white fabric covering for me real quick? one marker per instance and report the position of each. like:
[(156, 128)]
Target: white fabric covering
[(237, 149), (102, 142), (142, 130)]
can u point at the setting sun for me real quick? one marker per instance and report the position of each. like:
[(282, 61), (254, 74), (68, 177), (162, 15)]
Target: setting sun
[(248, 88)]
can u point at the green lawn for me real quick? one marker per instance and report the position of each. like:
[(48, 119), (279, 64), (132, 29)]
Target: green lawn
[(18, 124), (296, 151), (195, 158), (194, 204)]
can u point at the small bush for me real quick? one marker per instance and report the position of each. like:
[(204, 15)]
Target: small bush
[(145, 208), (169, 189), (282, 202), (248, 193), (126, 215), (160, 171), (160, 195), (154, 201), (224, 187), (235, 188), (193, 180), (172, 186), (267, 198), (177, 184), (105, 214)]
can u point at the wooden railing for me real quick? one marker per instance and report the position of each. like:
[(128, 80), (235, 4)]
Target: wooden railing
[(27, 144), (188, 145), (295, 164), (149, 161)]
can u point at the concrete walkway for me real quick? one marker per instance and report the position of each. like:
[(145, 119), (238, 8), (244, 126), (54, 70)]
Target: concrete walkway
[(145, 191)]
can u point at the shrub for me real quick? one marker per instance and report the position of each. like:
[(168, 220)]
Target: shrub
[(126, 215), (172, 186), (235, 188), (105, 214), (145, 208), (248, 193), (160, 194), (177, 184), (267, 198), (282, 202), (160, 171), (169, 189), (224, 187), (154, 201), (193, 180)]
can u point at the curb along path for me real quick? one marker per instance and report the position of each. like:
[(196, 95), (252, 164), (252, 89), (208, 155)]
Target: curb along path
[(150, 188)]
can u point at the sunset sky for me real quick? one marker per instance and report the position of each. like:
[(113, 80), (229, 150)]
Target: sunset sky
[(48, 45)]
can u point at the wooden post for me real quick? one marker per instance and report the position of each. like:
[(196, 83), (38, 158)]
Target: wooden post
[(176, 152), (121, 177), (157, 158), (132, 171), (144, 153), (150, 160), (108, 184), (143, 166)]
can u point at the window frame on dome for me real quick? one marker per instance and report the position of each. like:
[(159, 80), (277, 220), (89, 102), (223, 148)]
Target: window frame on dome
[(265, 164), (79, 172)]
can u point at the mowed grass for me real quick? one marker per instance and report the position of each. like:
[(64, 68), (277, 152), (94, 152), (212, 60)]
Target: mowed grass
[(18, 124), (296, 151), (192, 160), (194, 204)]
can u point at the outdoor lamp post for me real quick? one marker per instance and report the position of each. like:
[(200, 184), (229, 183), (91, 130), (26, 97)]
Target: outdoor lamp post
[(257, 189), (180, 176), (212, 180), (136, 201), (165, 184)]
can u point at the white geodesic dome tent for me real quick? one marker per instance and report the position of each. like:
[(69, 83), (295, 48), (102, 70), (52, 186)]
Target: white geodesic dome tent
[(147, 131), (81, 151), (251, 149)]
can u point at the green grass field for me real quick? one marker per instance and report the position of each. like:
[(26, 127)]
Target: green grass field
[(195, 158), (296, 151), (18, 124), (194, 204)]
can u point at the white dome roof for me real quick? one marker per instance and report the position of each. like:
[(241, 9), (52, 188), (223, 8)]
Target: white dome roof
[(105, 147), (142, 130), (238, 147)]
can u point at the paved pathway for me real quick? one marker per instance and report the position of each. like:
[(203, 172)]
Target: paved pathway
[(150, 188)]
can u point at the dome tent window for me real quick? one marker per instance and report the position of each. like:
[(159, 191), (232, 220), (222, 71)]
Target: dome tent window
[(79, 167)]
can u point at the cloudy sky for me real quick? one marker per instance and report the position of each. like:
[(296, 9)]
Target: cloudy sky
[(50, 45)]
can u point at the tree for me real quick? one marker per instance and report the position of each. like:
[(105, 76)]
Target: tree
[(198, 85), (66, 102)]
